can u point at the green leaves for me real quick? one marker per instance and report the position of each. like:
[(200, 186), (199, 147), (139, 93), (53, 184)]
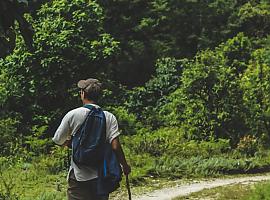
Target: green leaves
[(208, 103), (9, 136), (69, 44), (12, 11), (149, 99), (105, 47), (256, 85)]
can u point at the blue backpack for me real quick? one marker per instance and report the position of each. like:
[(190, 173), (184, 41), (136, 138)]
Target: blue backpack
[(110, 174), (89, 148), (88, 142)]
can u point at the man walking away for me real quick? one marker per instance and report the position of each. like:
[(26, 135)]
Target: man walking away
[(82, 180)]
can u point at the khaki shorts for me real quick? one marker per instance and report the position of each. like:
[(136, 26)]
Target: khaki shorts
[(83, 190)]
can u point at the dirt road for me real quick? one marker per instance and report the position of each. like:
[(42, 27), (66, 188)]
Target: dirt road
[(183, 190)]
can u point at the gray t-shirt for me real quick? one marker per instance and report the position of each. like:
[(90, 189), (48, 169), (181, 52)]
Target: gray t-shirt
[(69, 126)]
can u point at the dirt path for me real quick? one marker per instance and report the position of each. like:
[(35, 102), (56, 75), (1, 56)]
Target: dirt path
[(183, 190)]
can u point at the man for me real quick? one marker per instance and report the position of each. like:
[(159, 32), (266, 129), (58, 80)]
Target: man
[(82, 180)]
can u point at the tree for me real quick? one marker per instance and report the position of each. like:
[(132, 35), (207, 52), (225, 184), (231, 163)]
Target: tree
[(209, 101), (69, 44), (146, 101), (256, 85), (11, 11), (252, 18), (154, 29)]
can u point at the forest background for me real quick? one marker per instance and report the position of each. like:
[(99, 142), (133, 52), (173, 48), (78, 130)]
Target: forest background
[(188, 80)]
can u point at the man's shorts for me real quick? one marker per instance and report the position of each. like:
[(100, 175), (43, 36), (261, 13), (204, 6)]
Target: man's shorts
[(83, 190)]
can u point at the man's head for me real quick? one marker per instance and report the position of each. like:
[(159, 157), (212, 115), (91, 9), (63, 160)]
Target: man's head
[(90, 89)]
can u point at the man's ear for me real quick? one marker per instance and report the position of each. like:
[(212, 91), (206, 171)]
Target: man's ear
[(82, 94)]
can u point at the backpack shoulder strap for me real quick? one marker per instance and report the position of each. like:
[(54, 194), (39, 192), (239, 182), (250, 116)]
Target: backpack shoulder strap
[(94, 109), (90, 107)]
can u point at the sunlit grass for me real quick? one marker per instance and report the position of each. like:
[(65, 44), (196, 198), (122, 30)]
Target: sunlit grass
[(232, 192)]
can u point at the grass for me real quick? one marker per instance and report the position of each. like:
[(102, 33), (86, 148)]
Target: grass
[(27, 181), (251, 191), (232, 192), (34, 182), (260, 192), (43, 177)]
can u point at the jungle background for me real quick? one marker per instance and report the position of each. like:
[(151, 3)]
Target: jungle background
[(188, 80)]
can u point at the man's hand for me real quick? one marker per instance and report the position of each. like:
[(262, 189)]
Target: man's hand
[(68, 143)]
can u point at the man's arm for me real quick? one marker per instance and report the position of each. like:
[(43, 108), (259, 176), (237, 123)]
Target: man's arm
[(62, 134), (116, 146)]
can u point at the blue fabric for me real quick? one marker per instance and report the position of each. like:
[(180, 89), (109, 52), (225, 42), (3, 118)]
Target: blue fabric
[(90, 148), (88, 142), (110, 174), (105, 167)]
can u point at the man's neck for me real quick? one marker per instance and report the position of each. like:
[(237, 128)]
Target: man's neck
[(86, 101)]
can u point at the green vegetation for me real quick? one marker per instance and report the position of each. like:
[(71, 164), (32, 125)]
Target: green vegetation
[(232, 192), (254, 191), (261, 191), (39, 179), (188, 81)]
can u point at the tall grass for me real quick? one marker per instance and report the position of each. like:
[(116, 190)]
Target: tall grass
[(260, 192)]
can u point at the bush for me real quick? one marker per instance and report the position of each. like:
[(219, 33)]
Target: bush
[(36, 143), (128, 124), (172, 142), (69, 40), (10, 138), (166, 152), (142, 163), (55, 162), (209, 102), (7, 187), (248, 145), (158, 142), (146, 101), (256, 86), (216, 165), (206, 149)]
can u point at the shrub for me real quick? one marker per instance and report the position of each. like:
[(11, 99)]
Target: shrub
[(146, 101), (69, 40), (248, 145), (206, 149), (213, 166), (209, 102), (172, 142), (142, 162), (36, 143), (128, 123), (10, 138), (7, 187), (57, 161), (256, 86)]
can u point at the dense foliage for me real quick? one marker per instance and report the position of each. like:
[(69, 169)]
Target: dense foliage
[(189, 82), (10, 12), (68, 45)]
